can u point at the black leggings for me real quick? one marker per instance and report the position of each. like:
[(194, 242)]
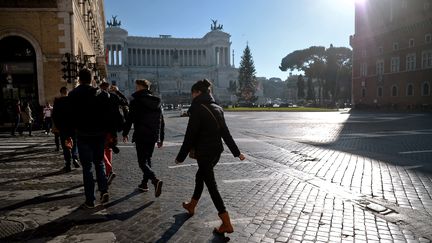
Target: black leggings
[(205, 174)]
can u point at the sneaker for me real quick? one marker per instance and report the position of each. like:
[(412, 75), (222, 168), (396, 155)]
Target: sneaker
[(111, 177), (75, 163), (87, 205), (67, 169), (104, 197), (143, 187), (158, 187)]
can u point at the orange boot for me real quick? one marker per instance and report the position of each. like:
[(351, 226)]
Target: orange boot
[(190, 206), (226, 226)]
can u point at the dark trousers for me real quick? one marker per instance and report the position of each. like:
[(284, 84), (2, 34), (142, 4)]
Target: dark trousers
[(205, 174), (28, 127), (69, 154), (48, 124), (57, 140), (144, 154), (91, 152), (15, 128)]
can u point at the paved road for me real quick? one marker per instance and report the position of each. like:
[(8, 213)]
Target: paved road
[(317, 177)]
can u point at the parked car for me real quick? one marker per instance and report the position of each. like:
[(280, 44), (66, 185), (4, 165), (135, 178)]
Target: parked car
[(184, 110), (168, 107)]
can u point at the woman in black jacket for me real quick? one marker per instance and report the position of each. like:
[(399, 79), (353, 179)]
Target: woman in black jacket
[(204, 132)]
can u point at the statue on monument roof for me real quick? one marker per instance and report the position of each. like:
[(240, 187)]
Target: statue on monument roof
[(114, 22), (215, 26)]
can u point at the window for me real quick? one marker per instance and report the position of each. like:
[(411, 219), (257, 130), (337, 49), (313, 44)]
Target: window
[(410, 90), (425, 89), (380, 50), (428, 38), (380, 92), (395, 46), (363, 53), (394, 91), (394, 67), (427, 59), (380, 67), (363, 92), (411, 62), (363, 69), (411, 43)]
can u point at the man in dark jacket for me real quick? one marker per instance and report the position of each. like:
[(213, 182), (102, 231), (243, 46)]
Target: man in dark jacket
[(145, 113), (61, 120), (88, 116)]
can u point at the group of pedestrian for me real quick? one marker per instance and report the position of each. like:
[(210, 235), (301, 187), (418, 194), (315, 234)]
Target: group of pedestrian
[(90, 118), (23, 114)]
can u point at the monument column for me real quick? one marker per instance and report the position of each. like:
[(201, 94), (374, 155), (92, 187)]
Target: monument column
[(111, 53)]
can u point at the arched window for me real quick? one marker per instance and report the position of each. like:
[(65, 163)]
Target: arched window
[(394, 91), (380, 91), (410, 90), (425, 89)]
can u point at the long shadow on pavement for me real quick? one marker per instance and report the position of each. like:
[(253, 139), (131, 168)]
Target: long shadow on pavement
[(44, 198), (77, 217), (26, 154), (180, 219), (55, 173)]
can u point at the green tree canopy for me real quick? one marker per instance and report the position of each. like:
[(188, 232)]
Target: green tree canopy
[(321, 64)]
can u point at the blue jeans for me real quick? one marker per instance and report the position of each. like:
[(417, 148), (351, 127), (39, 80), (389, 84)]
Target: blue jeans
[(91, 151)]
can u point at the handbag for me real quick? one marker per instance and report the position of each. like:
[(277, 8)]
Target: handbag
[(192, 154)]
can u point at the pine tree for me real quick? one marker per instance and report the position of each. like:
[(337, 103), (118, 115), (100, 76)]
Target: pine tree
[(246, 78), (300, 87), (310, 90)]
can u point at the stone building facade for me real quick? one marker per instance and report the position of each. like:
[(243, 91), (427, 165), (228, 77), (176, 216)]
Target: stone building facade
[(34, 38), (392, 54), (171, 64)]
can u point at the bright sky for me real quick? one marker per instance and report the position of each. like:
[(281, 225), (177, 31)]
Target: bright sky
[(273, 28)]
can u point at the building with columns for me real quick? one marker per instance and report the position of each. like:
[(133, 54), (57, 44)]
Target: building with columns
[(171, 64), (392, 54), (35, 37)]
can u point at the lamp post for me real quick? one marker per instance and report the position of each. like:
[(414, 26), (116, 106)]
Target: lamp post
[(69, 67)]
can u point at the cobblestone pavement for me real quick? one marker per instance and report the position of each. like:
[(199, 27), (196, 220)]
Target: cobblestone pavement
[(311, 177)]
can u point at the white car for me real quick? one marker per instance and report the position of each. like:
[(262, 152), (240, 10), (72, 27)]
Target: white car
[(184, 110)]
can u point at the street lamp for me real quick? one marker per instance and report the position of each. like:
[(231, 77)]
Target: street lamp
[(69, 67)]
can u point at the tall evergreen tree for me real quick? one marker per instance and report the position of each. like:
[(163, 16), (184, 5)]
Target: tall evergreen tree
[(246, 78)]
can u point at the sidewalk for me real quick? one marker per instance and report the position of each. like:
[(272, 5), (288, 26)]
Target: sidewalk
[(269, 196)]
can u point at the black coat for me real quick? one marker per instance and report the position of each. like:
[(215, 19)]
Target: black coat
[(89, 112), (204, 133), (115, 119), (60, 113), (145, 112)]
